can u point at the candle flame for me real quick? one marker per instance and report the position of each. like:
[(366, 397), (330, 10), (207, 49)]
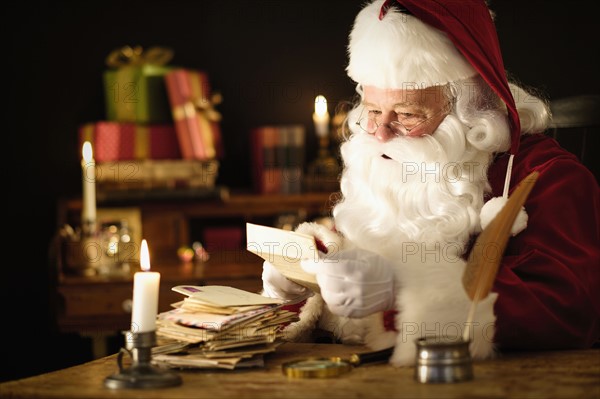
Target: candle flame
[(86, 151), (144, 256), (320, 105)]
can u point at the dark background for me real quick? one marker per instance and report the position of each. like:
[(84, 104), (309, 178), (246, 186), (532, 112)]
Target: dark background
[(269, 59)]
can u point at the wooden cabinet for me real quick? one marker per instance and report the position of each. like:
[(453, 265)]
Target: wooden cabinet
[(103, 302)]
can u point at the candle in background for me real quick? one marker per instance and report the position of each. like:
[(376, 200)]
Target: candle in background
[(321, 117), (145, 295), (88, 210)]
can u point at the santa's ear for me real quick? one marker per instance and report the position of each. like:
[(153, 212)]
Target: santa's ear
[(491, 208)]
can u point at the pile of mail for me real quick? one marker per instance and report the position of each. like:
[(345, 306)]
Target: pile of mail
[(221, 327)]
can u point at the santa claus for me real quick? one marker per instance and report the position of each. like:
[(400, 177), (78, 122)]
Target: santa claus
[(436, 144)]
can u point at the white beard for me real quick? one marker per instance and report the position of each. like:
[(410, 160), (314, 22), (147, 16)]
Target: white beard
[(427, 197)]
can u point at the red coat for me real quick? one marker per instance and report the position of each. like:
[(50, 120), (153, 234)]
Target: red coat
[(549, 279)]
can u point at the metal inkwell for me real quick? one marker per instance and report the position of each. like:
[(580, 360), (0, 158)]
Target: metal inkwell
[(442, 359)]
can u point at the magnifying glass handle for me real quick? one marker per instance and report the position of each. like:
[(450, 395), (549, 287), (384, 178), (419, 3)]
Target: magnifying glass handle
[(383, 355)]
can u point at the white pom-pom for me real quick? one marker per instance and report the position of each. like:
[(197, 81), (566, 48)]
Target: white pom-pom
[(491, 208)]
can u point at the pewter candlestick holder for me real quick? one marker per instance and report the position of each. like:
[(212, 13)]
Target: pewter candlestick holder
[(141, 373)]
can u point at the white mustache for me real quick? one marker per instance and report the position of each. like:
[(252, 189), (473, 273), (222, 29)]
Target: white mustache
[(447, 143)]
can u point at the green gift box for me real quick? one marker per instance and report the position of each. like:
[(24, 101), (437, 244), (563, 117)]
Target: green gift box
[(134, 87)]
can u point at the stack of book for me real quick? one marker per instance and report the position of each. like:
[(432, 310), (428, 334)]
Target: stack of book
[(223, 327), (277, 154)]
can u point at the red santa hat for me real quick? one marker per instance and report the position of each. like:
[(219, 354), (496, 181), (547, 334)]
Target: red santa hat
[(427, 43), (421, 43)]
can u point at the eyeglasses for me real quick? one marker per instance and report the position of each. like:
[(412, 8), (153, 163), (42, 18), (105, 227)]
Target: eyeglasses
[(404, 125)]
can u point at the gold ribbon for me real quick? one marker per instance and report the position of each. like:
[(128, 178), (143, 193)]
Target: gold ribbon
[(200, 100), (131, 56), (206, 106), (202, 105)]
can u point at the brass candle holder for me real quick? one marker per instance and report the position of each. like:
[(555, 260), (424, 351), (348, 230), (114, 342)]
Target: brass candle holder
[(141, 374), (324, 171)]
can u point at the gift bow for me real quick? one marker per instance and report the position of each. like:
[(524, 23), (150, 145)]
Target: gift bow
[(128, 55), (202, 105), (206, 106)]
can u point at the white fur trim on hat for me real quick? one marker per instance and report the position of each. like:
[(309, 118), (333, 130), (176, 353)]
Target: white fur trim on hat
[(402, 52), (491, 208)]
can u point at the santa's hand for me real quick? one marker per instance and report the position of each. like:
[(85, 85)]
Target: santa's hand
[(354, 283), (276, 285)]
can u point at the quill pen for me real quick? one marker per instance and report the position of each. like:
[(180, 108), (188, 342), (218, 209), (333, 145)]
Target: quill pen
[(481, 268)]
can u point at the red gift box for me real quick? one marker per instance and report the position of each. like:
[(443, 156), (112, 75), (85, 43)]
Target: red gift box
[(115, 141), (196, 121)]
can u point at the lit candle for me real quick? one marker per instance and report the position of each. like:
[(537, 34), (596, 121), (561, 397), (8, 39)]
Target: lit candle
[(321, 117), (145, 295), (88, 210)]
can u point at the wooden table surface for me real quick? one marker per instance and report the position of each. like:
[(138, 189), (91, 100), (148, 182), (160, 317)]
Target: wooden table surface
[(566, 374)]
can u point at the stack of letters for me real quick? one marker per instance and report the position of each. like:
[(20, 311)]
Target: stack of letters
[(223, 327)]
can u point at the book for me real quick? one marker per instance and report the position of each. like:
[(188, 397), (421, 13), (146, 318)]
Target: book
[(277, 155), (267, 173), (292, 160), (284, 249)]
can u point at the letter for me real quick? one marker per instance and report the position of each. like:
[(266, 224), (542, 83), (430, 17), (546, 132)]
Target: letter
[(408, 169), (435, 251), (426, 331), (409, 248), (285, 251), (409, 329), (426, 171)]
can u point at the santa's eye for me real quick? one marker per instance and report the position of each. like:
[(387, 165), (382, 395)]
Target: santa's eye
[(409, 118), (374, 112)]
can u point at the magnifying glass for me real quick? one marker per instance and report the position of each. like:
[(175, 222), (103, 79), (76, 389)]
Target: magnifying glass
[(323, 367)]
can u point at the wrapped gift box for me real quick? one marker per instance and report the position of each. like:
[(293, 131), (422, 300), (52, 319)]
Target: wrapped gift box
[(114, 141), (137, 94), (196, 121)]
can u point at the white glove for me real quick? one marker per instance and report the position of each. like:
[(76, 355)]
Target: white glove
[(354, 283), (276, 285)]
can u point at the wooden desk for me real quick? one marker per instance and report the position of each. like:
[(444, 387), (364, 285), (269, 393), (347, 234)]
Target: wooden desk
[(568, 374)]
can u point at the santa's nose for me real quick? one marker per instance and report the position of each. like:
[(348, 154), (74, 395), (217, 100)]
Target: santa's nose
[(384, 132)]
